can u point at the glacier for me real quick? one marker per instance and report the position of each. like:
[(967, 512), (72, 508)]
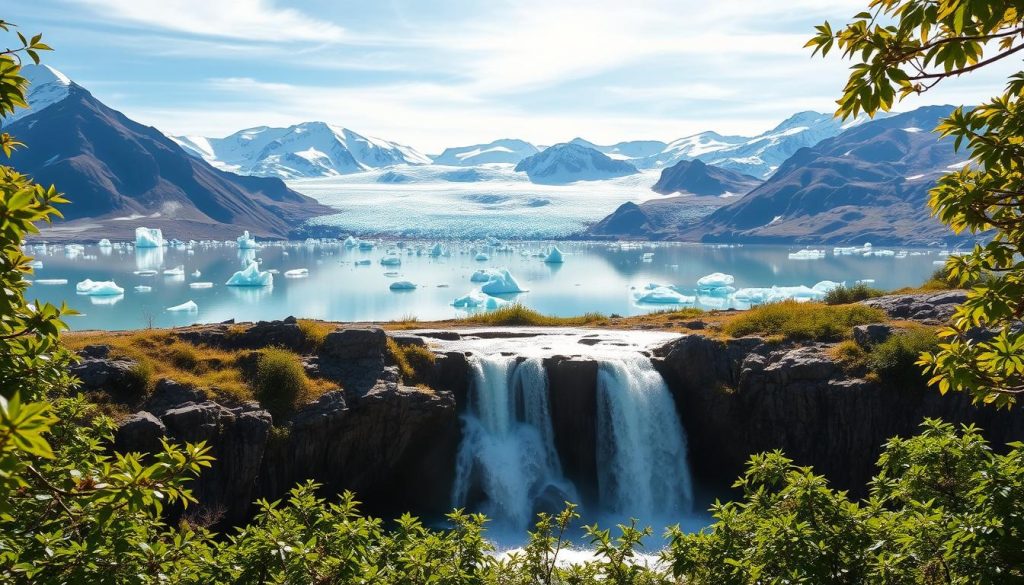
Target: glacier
[(251, 276)]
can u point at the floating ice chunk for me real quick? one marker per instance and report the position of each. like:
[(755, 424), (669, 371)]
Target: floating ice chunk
[(143, 288), (481, 257), (478, 300), (247, 242), (98, 288), (555, 256), (51, 281), (366, 245), (146, 272), (363, 262), (391, 259), (501, 283), (200, 285), (826, 285), (296, 273), (148, 237), (715, 280), (484, 275), (655, 293), (807, 254), (402, 285), (351, 242), (105, 243), (186, 307), (648, 257), (251, 276), (437, 250), (866, 281), (938, 262), (36, 264), (176, 271), (196, 274)]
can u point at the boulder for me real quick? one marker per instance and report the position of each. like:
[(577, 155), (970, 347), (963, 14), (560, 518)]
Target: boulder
[(872, 334), (117, 377), (169, 394), (139, 433)]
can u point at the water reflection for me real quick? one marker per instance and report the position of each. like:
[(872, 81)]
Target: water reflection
[(149, 258)]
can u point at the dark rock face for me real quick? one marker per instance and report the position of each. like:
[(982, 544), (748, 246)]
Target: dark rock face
[(140, 432), (573, 394), (872, 334), (927, 307), (742, 396), (696, 178)]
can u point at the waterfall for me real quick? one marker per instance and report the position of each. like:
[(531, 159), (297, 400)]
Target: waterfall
[(641, 451), (507, 462), (508, 450)]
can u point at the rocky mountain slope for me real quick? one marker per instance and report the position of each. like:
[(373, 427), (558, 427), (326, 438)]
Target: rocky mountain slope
[(119, 174), (696, 178), (310, 149), (568, 163)]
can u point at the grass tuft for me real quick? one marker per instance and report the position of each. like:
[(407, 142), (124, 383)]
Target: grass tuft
[(793, 321), (517, 314), (414, 362), (314, 332), (845, 295)]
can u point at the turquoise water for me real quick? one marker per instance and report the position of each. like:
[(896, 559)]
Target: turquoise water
[(594, 277)]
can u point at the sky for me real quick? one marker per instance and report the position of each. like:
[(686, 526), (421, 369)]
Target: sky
[(434, 74)]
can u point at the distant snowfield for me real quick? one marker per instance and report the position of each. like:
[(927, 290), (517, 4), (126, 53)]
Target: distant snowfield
[(464, 203)]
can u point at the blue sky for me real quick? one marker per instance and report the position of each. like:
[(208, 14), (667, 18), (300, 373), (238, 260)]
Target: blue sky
[(435, 74)]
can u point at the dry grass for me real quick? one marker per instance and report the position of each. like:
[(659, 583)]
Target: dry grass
[(161, 354), (315, 332), (414, 362), (793, 321), (519, 315)]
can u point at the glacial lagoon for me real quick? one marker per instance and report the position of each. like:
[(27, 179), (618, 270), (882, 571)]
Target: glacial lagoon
[(325, 279)]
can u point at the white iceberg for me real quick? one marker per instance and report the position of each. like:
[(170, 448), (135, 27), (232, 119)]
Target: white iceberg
[(481, 257), (148, 237), (391, 259), (648, 257), (715, 280), (555, 256), (437, 250), (176, 271), (478, 300), (51, 281), (825, 286), (98, 288), (655, 293), (502, 283), (143, 288), (296, 273), (196, 274), (484, 275), (402, 285), (363, 262), (105, 243), (246, 242), (200, 285), (351, 242), (186, 307), (251, 276), (807, 254)]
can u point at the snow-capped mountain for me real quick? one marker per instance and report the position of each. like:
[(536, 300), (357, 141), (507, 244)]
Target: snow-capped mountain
[(759, 155), (629, 150), (506, 150), (47, 86), (568, 163), (309, 149)]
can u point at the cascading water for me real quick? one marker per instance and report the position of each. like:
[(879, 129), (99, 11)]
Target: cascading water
[(508, 463), (508, 449), (641, 451)]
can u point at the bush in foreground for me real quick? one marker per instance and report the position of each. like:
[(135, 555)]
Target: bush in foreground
[(280, 383), (895, 359), (794, 321), (845, 295)]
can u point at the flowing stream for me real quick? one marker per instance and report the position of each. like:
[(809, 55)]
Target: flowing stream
[(508, 466)]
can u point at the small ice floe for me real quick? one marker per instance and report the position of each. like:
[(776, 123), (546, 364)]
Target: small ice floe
[(648, 257), (105, 243), (391, 259), (176, 271), (143, 288), (655, 293), (351, 242), (436, 250), (98, 288), (852, 250), (484, 275), (247, 242), (366, 244), (554, 256), (148, 237), (51, 281), (145, 272), (478, 300), (251, 276), (501, 283), (296, 273), (807, 254), (35, 264), (716, 284), (196, 274), (402, 285), (200, 285), (363, 262), (481, 257), (186, 307)]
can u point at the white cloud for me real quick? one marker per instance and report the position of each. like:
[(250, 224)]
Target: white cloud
[(252, 20)]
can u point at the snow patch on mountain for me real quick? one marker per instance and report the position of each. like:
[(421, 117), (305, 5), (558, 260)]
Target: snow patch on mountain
[(509, 151), (568, 163), (47, 86)]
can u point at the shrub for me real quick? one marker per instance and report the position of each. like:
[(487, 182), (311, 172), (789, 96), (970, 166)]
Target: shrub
[(280, 383), (414, 362), (850, 355), (139, 381), (183, 356), (793, 321), (895, 359), (314, 332), (517, 314), (845, 295)]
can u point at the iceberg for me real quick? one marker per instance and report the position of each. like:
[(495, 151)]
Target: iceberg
[(363, 262), (98, 288), (484, 275), (246, 242), (200, 285), (251, 276), (478, 300), (351, 242), (391, 259), (655, 293), (186, 307), (481, 257), (365, 245), (555, 256), (715, 280), (148, 237), (176, 271), (648, 257), (51, 281), (501, 283), (437, 250), (807, 254), (826, 285), (196, 274), (143, 288), (402, 285), (105, 243), (296, 273)]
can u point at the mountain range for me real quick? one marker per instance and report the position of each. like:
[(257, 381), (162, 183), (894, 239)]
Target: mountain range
[(696, 178), (119, 174), (568, 163), (504, 151), (869, 183)]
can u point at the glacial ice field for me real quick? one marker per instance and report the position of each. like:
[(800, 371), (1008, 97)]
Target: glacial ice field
[(119, 286), (473, 202)]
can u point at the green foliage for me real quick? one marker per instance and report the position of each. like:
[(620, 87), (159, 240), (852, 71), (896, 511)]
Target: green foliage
[(414, 362), (844, 295), (906, 47), (280, 383), (895, 359), (517, 314), (794, 321), (943, 509)]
